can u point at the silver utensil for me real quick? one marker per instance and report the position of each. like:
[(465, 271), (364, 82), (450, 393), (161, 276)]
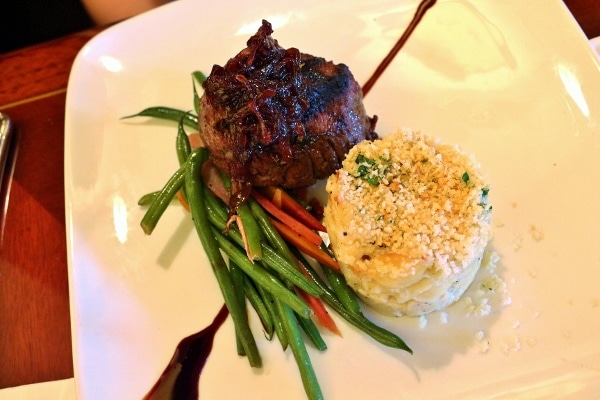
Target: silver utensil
[(5, 136)]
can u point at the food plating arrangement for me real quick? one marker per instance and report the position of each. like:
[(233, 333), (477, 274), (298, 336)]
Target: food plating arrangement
[(407, 217)]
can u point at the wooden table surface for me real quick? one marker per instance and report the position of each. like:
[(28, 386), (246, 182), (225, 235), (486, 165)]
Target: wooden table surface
[(35, 337)]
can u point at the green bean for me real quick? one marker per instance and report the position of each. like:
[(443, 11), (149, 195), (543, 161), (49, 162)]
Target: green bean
[(270, 257), (349, 300), (329, 296), (237, 278), (344, 293), (250, 226), (314, 275), (290, 272), (162, 199), (280, 248), (287, 271), (270, 303), (147, 199), (341, 288), (182, 148), (168, 113), (312, 332), (261, 276), (200, 77), (251, 231), (216, 205), (211, 247), (270, 232), (258, 303), (307, 373), (182, 142), (378, 333)]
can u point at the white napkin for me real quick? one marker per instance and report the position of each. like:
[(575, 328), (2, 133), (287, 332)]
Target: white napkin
[(55, 390)]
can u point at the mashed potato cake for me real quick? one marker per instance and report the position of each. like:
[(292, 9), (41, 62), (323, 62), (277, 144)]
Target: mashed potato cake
[(408, 220)]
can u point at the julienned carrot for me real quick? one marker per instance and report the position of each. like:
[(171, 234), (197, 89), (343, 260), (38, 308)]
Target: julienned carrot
[(182, 200), (305, 246), (286, 202), (317, 305), (320, 312), (274, 195), (195, 140), (295, 225)]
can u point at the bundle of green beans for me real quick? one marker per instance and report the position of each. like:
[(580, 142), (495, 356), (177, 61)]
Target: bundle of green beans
[(269, 280)]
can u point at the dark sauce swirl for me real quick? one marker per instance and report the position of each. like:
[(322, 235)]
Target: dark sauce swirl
[(180, 379)]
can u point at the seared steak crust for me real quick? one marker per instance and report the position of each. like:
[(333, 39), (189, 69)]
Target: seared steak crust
[(272, 116)]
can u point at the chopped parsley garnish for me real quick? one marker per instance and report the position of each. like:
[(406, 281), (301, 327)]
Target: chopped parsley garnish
[(364, 165), (369, 170), (465, 177)]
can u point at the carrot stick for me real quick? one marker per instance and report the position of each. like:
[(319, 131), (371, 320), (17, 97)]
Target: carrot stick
[(274, 195), (182, 200), (304, 245), (195, 140), (317, 305), (320, 312), (287, 219), (286, 202)]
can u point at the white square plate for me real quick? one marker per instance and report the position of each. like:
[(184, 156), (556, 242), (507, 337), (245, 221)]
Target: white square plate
[(513, 82)]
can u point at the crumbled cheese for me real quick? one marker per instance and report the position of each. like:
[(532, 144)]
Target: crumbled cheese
[(517, 243), (532, 272), (536, 234), (481, 308), (483, 343), (493, 284), (512, 344), (444, 317), (488, 284), (531, 341), (490, 261)]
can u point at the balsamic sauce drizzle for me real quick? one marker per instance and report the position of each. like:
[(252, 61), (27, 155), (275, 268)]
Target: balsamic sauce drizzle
[(180, 379), (421, 10)]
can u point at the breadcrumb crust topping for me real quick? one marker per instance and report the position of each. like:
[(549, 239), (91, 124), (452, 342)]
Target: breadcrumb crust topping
[(413, 195)]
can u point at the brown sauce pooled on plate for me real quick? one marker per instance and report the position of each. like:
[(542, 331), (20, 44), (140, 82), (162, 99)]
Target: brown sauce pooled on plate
[(179, 380)]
